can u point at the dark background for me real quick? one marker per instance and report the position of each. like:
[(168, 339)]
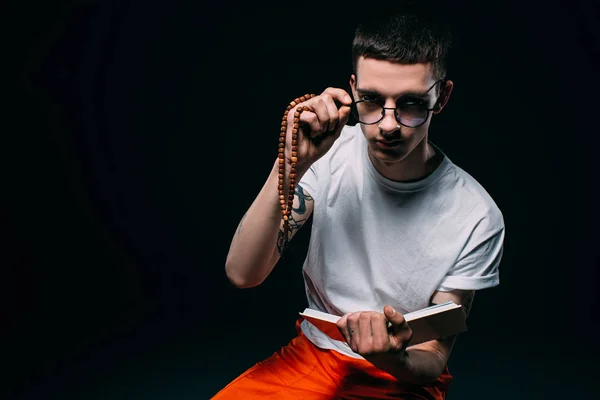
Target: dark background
[(141, 131)]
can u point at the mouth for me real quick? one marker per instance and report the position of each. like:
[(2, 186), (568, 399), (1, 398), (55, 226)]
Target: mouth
[(384, 144)]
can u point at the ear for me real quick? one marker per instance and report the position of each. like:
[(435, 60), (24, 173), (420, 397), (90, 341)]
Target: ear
[(444, 97), (353, 86)]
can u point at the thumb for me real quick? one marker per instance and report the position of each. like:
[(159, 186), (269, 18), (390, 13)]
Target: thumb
[(344, 115), (393, 316)]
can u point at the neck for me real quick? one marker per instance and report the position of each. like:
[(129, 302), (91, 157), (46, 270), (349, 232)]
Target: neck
[(418, 164)]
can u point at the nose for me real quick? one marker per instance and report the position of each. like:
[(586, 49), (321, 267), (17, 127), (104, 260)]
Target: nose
[(389, 123)]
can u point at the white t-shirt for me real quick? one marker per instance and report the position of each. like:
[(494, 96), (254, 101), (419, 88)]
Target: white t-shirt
[(375, 241)]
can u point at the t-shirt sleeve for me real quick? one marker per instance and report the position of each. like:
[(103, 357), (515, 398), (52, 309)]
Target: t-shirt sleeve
[(477, 267)]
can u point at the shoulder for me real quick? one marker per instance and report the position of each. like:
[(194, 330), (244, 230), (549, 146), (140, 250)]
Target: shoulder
[(483, 209)]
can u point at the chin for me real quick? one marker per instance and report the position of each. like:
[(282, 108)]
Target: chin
[(388, 156)]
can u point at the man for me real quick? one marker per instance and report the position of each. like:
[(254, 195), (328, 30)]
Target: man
[(396, 227)]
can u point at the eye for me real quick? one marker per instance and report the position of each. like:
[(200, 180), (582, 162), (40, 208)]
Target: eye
[(411, 104), (369, 97)]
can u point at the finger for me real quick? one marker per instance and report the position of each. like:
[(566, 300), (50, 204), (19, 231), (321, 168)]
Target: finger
[(332, 111), (393, 316), (401, 333), (306, 118), (320, 109), (354, 331), (344, 115), (342, 325), (365, 334), (339, 94), (379, 326), (309, 119)]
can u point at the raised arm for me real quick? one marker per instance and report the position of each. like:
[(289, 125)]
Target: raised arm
[(256, 244), (255, 247)]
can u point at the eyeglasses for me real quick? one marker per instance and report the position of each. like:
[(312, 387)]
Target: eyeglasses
[(409, 114)]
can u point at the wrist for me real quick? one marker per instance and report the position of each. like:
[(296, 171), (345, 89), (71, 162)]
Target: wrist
[(301, 169)]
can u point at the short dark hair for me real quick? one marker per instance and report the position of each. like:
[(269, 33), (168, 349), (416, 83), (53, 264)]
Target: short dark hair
[(407, 34)]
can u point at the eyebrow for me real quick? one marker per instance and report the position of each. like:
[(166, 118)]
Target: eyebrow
[(409, 94)]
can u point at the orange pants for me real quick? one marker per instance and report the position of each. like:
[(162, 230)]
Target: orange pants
[(301, 370)]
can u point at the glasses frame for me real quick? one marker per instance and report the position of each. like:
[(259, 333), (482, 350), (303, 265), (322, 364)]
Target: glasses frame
[(383, 109)]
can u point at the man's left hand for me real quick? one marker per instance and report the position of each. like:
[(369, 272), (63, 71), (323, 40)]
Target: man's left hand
[(368, 333)]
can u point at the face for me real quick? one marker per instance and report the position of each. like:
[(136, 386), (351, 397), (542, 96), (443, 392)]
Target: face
[(396, 85)]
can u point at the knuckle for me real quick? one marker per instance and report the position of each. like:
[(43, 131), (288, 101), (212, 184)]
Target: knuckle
[(323, 103), (353, 317), (309, 117)]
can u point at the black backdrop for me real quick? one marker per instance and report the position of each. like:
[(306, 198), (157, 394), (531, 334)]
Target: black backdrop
[(141, 131)]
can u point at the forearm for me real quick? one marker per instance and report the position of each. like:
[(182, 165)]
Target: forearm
[(412, 367), (253, 252)]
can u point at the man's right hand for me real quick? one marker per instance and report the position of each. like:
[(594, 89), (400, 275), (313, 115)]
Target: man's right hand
[(319, 127)]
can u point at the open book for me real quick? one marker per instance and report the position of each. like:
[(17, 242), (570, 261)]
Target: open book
[(431, 323)]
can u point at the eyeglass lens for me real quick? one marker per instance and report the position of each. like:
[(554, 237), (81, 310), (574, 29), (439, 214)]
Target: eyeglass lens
[(368, 112)]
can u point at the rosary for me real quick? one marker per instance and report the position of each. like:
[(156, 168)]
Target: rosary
[(286, 207)]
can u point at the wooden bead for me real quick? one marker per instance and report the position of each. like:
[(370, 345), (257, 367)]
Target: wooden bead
[(286, 209)]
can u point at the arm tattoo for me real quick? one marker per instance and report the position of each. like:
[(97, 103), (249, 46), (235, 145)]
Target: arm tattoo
[(302, 198), (296, 221)]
